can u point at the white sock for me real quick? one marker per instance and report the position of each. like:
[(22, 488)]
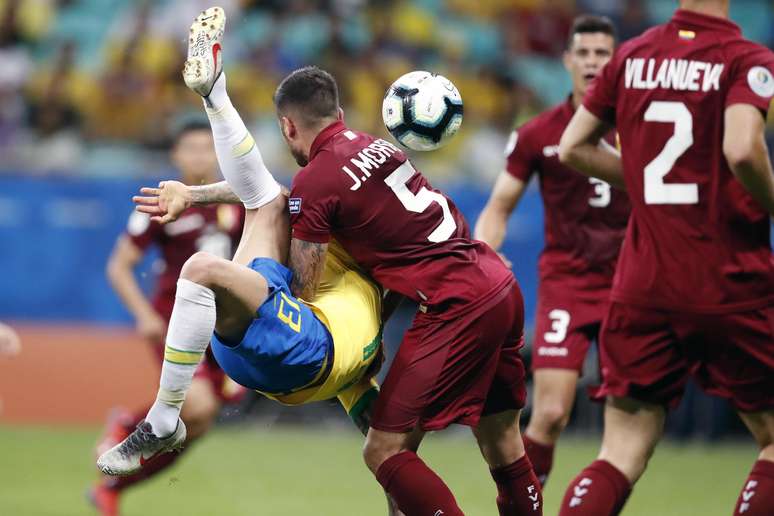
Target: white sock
[(238, 155), (189, 334)]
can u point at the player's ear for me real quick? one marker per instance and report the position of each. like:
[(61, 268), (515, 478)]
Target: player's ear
[(288, 128), (566, 56), (341, 114)]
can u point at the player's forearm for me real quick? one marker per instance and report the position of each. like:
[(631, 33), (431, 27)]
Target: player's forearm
[(216, 193), (121, 278), (491, 225), (306, 261), (594, 160), (753, 169)]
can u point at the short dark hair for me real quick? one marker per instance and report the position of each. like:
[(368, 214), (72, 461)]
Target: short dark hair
[(189, 126), (310, 90), (589, 23)]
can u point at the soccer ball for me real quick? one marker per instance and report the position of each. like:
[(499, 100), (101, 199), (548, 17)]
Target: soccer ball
[(422, 110)]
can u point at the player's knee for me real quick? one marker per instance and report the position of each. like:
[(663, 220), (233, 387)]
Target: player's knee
[(201, 268), (551, 417), (376, 451), (631, 459)]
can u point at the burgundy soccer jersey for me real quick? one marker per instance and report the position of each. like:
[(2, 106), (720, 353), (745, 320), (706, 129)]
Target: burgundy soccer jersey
[(696, 241), (585, 219), (412, 239), (214, 229)]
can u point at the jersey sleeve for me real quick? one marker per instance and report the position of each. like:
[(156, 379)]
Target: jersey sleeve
[(142, 231), (753, 80), (601, 98), (313, 205), (520, 157)]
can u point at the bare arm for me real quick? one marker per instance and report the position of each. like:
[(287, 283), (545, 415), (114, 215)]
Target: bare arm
[(491, 224), (583, 148), (744, 145), (216, 193), (306, 261), (167, 202), (120, 272)]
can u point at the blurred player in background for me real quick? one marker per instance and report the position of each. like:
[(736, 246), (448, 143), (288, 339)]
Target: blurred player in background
[(10, 344), (585, 221), (693, 294), (214, 229)]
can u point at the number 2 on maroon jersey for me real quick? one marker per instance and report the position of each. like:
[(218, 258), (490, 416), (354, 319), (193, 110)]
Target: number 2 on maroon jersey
[(420, 201), (656, 191)]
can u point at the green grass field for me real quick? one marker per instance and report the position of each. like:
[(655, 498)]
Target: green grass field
[(292, 471)]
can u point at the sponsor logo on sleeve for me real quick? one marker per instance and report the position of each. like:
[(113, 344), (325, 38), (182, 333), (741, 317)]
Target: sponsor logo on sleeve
[(294, 204), (761, 81)]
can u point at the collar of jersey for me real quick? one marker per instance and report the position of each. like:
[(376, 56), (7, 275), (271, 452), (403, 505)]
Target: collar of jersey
[(685, 17), (325, 135)]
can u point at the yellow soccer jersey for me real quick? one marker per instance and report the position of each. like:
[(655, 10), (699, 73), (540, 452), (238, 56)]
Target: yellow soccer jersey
[(349, 304)]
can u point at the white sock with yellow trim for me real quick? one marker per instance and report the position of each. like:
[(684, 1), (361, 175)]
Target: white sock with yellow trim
[(238, 155), (189, 334)]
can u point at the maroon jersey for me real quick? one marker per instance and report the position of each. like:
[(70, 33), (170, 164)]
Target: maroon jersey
[(696, 240), (214, 229), (585, 219), (365, 193)]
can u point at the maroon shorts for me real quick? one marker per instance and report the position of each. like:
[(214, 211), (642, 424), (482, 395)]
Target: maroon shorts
[(227, 390), (649, 355), (455, 371), (565, 326)]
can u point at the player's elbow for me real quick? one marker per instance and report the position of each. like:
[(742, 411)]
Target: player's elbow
[(740, 152), (567, 152)]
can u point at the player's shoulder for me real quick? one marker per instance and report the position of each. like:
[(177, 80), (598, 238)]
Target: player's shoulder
[(645, 41), (537, 125), (316, 174), (743, 51)]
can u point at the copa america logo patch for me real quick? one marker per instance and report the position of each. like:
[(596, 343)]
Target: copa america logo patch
[(761, 81), (294, 205)]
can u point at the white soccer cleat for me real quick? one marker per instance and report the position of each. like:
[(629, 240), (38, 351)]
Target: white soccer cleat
[(204, 65), (139, 448)]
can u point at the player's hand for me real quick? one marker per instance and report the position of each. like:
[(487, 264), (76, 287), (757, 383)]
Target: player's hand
[(165, 203), (151, 327), (10, 344)]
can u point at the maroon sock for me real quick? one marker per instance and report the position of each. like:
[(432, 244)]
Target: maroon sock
[(757, 496), (541, 456), (518, 489), (150, 469), (416, 489), (599, 490)]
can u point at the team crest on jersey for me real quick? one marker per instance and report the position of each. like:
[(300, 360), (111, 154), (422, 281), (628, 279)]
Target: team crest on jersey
[(294, 205), (761, 81)]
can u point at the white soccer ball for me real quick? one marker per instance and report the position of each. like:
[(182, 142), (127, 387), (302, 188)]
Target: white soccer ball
[(422, 110)]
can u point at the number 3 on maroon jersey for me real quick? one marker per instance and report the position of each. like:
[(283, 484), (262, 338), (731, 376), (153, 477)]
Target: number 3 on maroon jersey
[(419, 202)]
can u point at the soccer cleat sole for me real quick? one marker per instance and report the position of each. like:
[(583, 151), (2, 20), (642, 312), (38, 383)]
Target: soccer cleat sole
[(203, 65)]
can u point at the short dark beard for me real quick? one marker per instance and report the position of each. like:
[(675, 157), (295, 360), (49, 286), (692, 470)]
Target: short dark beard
[(300, 158)]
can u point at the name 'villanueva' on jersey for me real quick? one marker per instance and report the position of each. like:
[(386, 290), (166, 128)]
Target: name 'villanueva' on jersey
[(672, 74)]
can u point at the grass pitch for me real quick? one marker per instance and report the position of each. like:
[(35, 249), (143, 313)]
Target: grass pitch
[(255, 470)]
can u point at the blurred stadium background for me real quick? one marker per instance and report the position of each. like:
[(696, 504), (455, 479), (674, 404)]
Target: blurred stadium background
[(90, 93)]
